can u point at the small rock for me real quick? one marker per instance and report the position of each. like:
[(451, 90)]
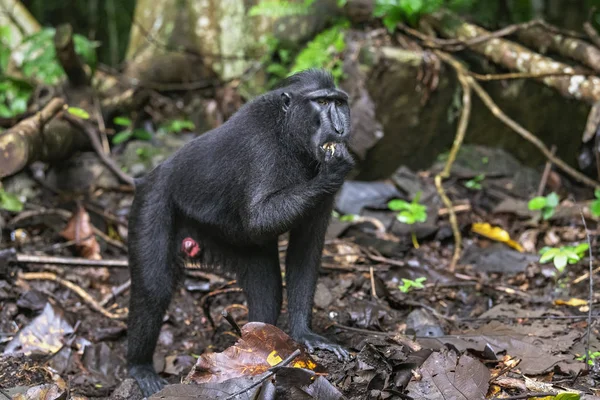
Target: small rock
[(127, 390), (323, 296)]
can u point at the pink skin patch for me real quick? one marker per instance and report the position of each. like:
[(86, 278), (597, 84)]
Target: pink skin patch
[(190, 247)]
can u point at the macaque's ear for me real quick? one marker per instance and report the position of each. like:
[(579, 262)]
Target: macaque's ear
[(287, 100)]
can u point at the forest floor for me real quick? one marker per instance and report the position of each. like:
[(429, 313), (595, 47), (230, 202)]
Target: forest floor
[(501, 324)]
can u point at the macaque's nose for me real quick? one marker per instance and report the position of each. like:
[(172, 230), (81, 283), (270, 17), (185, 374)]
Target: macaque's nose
[(336, 121)]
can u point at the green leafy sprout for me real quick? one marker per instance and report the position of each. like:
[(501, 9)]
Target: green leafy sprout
[(595, 205), (348, 218), (129, 132), (592, 357), (475, 183), (10, 202), (178, 125), (408, 285), (561, 256), (547, 204), (409, 213)]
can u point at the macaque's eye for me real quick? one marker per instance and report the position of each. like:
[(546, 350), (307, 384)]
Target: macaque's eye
[(323, 102), (338, 103)]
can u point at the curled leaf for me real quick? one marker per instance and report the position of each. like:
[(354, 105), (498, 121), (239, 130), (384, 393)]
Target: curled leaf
[(495, 233)]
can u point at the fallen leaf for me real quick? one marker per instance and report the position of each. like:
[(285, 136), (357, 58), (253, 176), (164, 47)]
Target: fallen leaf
[(260, 347), (44, 333), (447, 375), (495, 233), (572, 302), (79, 229)]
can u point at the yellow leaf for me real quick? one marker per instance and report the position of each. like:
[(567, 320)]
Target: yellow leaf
[(273, 358), (495, 233), (573, 302)]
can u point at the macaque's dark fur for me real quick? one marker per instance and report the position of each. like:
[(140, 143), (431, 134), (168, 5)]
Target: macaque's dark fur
[(234, 190)]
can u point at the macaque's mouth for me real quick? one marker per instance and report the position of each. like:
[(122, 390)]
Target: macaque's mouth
[(330, 147)]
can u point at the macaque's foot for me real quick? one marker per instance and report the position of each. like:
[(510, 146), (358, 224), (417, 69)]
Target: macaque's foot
[(147, 379), (313, 341)]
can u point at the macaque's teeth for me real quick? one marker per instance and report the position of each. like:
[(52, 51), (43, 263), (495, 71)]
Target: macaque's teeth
[(330, 146)]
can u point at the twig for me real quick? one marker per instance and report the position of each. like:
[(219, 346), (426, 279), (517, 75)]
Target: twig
[(530, 137), (458, 44), (528, 75), (456, 208), (270, 373), (461, 130), (232, 322), (362, 331), (591, 294), (48, 276), (76, 261), (592, 34), (373, 290), (527, 395), (114, 292), (584, 276), (204, 304), (546, 173), (93, 137)]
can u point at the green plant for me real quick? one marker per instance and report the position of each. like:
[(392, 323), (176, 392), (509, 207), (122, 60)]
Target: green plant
[(322, 52), (5, 37), (14, 95), (39, 57), (348, 217), (393, 12), (408, 285), (561, 256), (592, 357), (595, 205), (177, 125), (475, 183), (409, 213), (78, 112), (547, 204), (10, 202), (129, 132)]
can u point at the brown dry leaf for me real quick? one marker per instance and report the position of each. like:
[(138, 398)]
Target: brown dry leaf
[(449, 375), (495, 233), (42, 392), (80, 230), (260, 347)]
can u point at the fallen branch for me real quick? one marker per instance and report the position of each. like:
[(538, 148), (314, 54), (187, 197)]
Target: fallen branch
[(542, 40), (27, 141), (519, 58), (461, 130), (74, 261), (95, 141), (48, 276)]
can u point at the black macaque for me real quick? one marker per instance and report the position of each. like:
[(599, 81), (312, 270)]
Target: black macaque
[(226, 197)]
